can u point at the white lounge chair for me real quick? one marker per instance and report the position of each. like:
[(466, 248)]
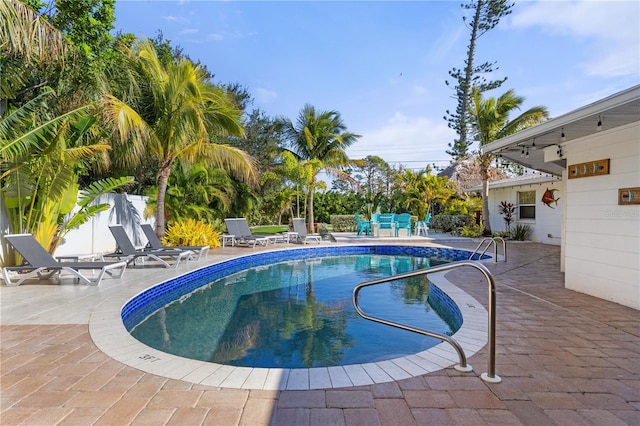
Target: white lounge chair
[(300, 227), (43, 265), (154, 243), (127, 251)]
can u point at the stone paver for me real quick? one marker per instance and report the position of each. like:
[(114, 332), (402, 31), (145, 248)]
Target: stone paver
[(564, 357)]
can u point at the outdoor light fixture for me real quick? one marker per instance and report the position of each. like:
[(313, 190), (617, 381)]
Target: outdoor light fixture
[(533, 144), (526, 154), (562, 136), (599, 126), (559, 151), (522, 153)]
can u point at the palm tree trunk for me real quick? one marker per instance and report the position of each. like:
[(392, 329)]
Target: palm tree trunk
[(163, 181), (311, 218), (484, 174)]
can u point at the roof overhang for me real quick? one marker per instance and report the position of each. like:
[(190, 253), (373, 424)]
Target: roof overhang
[(542, 142), (518, 181)]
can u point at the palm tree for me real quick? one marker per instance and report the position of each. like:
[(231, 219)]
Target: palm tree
[(318, 141), (491, 122), (423, 188), (200, 192), (184, 115)]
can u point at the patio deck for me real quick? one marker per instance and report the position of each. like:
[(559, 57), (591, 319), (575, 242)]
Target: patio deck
[(564, 357)]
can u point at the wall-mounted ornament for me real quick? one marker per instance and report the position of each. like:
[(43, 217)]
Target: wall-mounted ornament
[(590, 168), (548, 198), (627, 196)]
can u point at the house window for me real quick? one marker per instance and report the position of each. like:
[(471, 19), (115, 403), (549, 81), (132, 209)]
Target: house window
[(527, 205)]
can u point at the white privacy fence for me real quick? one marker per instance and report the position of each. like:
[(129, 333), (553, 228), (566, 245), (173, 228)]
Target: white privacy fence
[(94, 236)]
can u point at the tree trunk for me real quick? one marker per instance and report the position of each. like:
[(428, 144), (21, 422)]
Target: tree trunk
[(163, 181), (310, 210), (484, 174), (468, 75)]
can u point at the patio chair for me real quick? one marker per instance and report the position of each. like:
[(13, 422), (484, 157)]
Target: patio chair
[(403, 221), (154, 243), (43, 265), (300, 227), (127, 251), (363, 225), (423, 225), (387, 221), (239, 228)]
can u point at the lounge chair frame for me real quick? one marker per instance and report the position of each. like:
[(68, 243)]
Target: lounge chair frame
[(43, 266), (126, 250), (154, 243), (300, 227), (239, 228)]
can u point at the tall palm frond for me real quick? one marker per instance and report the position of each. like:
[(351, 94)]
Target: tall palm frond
[(38, 137), (24, 33)]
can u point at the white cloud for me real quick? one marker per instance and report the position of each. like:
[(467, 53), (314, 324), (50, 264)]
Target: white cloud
[(610, 29), (189, 31), (229, 35), (264, 96), (412, 141), (173, 18), (215, 36)]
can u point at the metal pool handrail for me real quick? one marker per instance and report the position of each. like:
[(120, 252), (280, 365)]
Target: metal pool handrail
[(492, 240), (490, 376)]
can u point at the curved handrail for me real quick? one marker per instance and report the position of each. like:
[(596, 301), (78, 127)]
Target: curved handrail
[(492, 241), (490, 375)]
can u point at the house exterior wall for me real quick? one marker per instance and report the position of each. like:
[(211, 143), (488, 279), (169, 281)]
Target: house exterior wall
[(546, 227), (602, 238)]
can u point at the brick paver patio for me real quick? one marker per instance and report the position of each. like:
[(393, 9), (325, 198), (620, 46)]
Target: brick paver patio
[(565, 358)]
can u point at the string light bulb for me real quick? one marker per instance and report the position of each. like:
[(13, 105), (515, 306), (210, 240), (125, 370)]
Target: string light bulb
[(533, 145), (599, 126), (562, 136)]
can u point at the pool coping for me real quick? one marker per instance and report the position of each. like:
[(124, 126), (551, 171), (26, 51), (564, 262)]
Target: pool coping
[(110, 335)]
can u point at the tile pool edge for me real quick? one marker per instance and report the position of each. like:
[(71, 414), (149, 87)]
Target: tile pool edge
[(110, 335)]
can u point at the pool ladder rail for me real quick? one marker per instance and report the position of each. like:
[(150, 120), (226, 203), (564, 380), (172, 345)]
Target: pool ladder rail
[(490, 376), (490, 241)]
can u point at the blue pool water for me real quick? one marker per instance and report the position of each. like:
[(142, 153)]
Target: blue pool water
[(296, 313), (178, 323)]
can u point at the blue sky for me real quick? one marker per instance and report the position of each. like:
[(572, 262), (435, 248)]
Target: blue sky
[(383, 64)]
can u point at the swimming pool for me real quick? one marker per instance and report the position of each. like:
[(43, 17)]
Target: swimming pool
[(107, 327), (299, 314)]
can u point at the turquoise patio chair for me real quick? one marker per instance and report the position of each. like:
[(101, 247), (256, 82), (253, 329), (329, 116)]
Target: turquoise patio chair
[(363, 225), (388, 221), (403, 221)]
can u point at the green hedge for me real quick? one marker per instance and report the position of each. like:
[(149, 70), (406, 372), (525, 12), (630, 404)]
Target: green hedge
[(343, 223), (450, 222)]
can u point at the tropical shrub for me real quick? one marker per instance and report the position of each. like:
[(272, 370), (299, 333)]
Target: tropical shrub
[(521, 232), (465, 206), (472, 231), (191, 233), (323, 229), (504, 234), (343, 223), (449, 223)]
